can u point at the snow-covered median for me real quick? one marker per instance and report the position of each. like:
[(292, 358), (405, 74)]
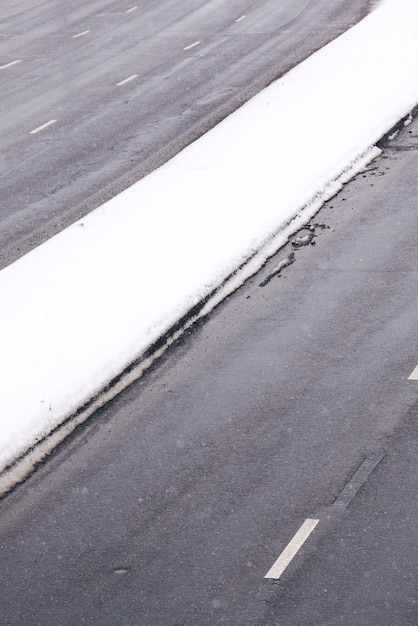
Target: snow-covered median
[(79, 309)]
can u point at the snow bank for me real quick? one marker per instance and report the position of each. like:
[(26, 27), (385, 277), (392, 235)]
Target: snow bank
[(81, 307)]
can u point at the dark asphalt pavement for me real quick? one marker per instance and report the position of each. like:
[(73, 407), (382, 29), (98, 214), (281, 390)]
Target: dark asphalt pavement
[(170, 505), (363, 570), (61, 63)]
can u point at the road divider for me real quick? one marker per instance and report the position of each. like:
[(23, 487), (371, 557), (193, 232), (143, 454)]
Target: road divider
[(85, 313)]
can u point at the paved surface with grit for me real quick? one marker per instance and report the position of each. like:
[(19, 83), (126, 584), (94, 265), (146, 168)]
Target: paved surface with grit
[(64, 63), (171, 504)]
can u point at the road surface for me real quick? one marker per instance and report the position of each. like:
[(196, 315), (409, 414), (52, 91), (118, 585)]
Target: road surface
[(96, 94), (291, 402)]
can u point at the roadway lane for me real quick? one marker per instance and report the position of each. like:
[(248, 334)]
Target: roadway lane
[(171, 504), (365, 569), (94, 95)]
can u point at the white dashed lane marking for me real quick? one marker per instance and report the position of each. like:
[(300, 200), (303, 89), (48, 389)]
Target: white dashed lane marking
[(85, 32), (3, 67), (39, 128), (127, 80), (192, 45), (131, 9), (292, 549), (240, 19), (414, 375)]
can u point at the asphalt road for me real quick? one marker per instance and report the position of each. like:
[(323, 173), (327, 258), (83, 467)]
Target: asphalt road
[(96, 94), (290, 402)]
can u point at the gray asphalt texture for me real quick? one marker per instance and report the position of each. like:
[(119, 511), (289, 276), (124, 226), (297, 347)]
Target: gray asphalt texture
[(169, 506), (107, 136)]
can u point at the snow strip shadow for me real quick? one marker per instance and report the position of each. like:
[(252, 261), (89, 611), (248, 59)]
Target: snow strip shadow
[(109, 293)]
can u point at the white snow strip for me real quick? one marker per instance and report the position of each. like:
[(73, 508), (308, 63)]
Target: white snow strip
[(82, 307), (292, 549), (3, 67), (376, 3), (414, 375)]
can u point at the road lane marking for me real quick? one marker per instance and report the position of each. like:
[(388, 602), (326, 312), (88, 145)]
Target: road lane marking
[(240, 19), (126, 80), (292, 549), (3, 67), (192, 45), (131, 9), (414, 375), (37, 130), (80, 34)]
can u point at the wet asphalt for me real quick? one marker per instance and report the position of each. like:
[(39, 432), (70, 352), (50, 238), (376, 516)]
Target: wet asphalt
[(291, 401), (63, 67)]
